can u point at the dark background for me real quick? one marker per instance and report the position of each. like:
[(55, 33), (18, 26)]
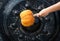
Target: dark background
[(2, 35)]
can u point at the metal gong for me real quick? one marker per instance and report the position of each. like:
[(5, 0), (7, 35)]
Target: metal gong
[(44, 29)]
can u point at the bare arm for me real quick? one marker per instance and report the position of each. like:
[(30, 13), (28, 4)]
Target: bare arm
[(54, 7), (48, 10)]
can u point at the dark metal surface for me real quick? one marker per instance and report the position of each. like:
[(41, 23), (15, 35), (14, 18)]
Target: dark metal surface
[(1, 39), (12, 7)]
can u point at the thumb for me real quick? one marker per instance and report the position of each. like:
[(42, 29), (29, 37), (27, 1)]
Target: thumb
[(37, 14)]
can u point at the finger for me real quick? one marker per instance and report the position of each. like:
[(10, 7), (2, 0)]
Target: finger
[(35, 14), (38, 15)]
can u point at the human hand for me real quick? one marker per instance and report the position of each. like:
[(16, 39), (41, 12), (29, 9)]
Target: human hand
[(42, 13)]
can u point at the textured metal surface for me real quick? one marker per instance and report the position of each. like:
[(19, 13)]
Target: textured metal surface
[(13, 25), (1, 37)]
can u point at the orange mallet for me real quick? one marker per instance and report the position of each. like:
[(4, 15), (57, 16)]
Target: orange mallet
[(27, 18)]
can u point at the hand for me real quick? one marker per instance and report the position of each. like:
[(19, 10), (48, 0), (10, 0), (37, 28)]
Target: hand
[(42, 13)]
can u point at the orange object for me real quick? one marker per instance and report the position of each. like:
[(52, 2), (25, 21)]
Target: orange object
[(27, 18)]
